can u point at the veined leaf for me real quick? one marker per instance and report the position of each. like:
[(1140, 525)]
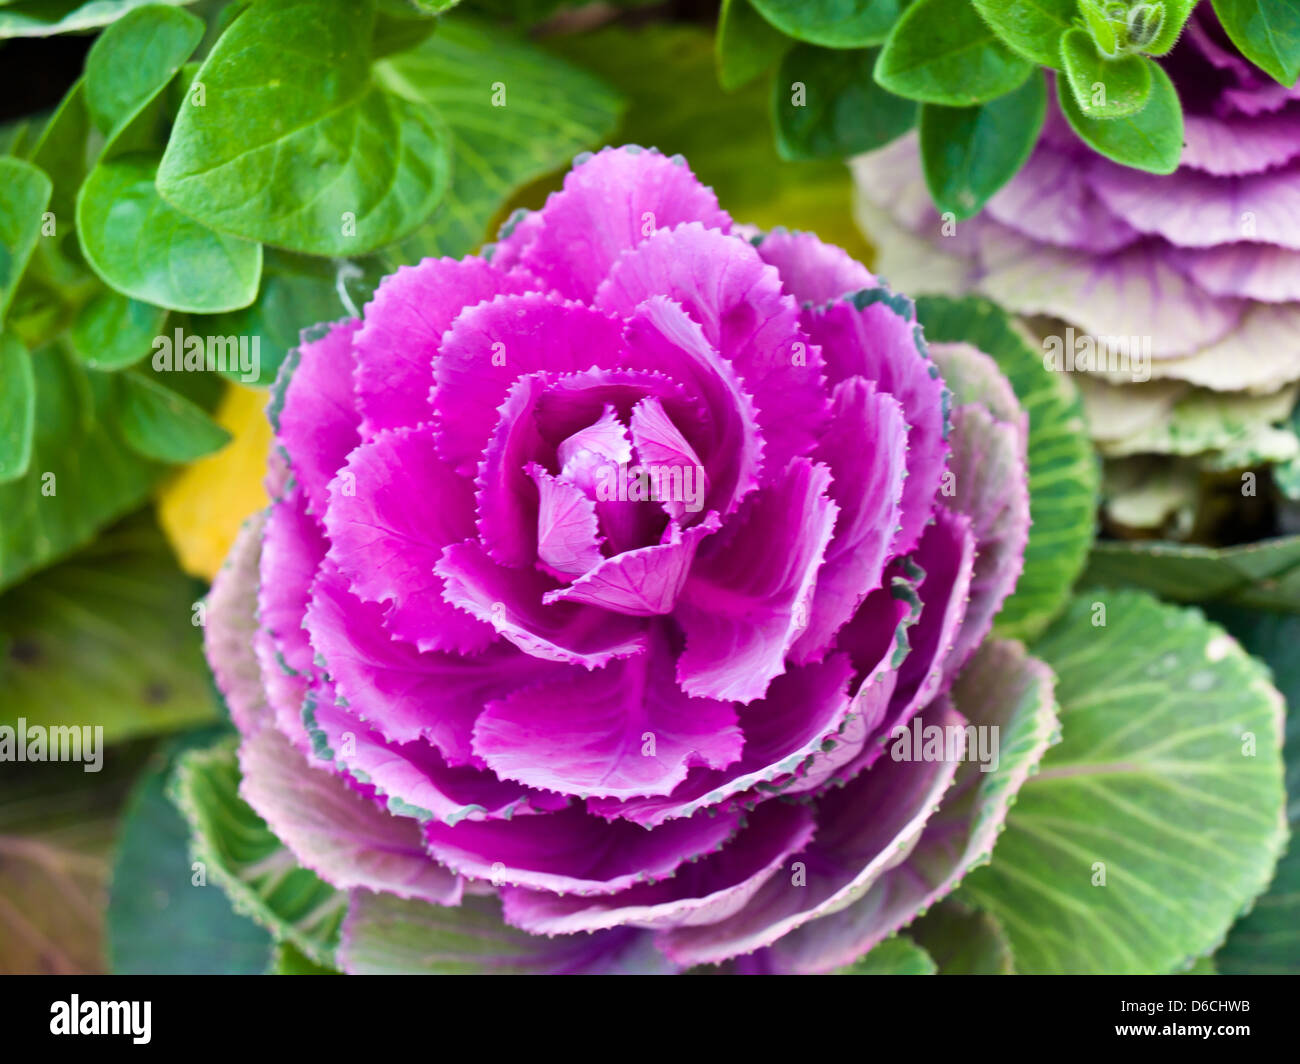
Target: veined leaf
[(113, 332), (552, 110), (147, 250), (134, 58), (106, 639), (1159, 816), (296, 145)]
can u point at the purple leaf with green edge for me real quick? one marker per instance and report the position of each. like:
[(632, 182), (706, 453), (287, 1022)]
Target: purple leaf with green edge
[(17, 408), (241, 856), (836, 870), (335, 831), (942, 51), (1267, 32), (825, 104), (384, 935), (895, 956), (968, 153), (833, 23), (1007, 696), (1104, 87), (1150, 139), (1031, 28), (962, 940), (1160, 815), (746, 44)]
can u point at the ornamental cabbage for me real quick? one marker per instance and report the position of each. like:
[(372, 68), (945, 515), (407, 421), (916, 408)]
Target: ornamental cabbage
[(601, 569)]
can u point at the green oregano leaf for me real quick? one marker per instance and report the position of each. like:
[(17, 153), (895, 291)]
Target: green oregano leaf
[(968, 153), (942, 51), (1104, 87), (826, 105), (1151, 139)]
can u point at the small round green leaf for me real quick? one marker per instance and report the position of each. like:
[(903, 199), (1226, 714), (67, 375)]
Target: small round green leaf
[(1104, 88), (149, 251), (942, 52), (113, 332), (968, 153), (1151, 139)]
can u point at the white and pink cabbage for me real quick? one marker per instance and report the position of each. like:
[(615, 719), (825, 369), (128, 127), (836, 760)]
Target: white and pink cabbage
[(463, 665), (1200, 267)]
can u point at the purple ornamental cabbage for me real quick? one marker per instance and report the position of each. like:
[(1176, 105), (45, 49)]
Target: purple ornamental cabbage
[(597, 571), (1204, 263)]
